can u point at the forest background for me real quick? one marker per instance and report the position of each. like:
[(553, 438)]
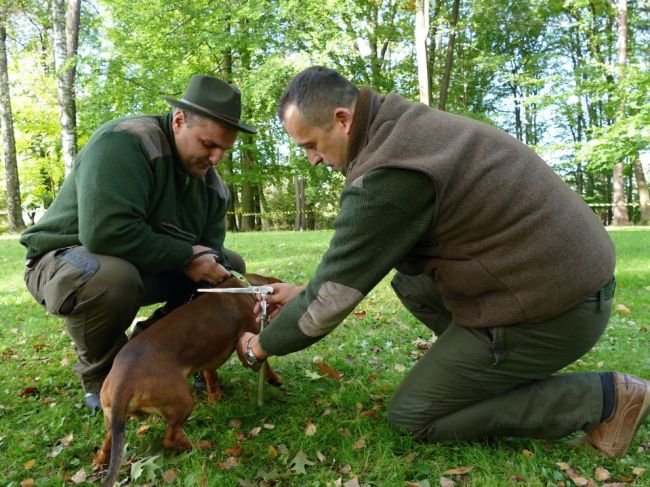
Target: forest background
[(569, 78)]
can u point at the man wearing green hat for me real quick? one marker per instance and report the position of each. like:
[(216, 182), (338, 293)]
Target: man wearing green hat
[(139, 220)]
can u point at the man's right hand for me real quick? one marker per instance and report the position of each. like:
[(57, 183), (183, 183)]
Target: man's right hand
[(282, 294), (205, 268)]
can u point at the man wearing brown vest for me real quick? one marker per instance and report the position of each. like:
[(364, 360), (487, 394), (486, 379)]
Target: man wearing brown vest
[(493, 252)]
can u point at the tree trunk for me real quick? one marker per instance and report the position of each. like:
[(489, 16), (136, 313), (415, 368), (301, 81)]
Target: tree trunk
[(618, 195), (449, 61), (421, 33), (299, 191), (14, 207), (432, 45), (65, 22), (248, 188), (644, 195)]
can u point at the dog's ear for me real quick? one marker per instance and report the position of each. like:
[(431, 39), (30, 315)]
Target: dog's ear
[(257, 280)]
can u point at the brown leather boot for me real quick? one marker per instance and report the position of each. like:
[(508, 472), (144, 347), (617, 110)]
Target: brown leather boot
[(614, 435)]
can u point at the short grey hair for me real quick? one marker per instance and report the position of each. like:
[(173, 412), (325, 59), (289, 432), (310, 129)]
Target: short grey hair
[(317, 92), (191, 118)]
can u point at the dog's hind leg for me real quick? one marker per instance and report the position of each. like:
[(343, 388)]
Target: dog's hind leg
[(176, 412), (213, 385), (103, 455)]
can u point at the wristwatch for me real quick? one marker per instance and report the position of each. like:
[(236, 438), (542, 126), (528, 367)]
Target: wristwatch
[(251, 358)]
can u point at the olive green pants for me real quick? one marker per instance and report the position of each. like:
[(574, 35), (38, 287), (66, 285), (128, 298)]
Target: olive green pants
[(99, 296), (491, 382)]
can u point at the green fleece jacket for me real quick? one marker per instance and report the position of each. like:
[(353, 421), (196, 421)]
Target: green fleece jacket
[(129, 196)]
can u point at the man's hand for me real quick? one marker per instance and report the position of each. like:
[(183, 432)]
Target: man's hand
[(282, 294), (242, 344), (205, 268)]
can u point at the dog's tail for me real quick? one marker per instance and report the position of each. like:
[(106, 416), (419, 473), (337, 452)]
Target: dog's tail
[(118, 427)]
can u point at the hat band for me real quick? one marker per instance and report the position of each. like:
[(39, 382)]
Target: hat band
[(213, 113)]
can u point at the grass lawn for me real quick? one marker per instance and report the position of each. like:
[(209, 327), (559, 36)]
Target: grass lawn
[(316, 430)]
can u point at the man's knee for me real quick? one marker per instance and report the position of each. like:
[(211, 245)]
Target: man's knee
[(117, 285), (405, 416), (236, 261)]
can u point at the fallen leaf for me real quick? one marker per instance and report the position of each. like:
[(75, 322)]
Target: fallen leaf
[(527, 453), (170, 475), (205, 445), (273, 453), (360, 443), (359, 314), (445, 482), (27, 483), (358, 406), (372, 378), (638, 471), (621, 308), (563, 466), (142, 429), (345, 469), (299, 461), (352, 483), (602, 474), (320, 456), (29, 391), (234, 423), (310, 429), (254, 432), (30, 464), (65, 361), (79, 477), (229, 463), (399, 368), (458, 471), (234, 451), (268, 426), (283, 449), (516, 478), (328, 371), (614, 484)]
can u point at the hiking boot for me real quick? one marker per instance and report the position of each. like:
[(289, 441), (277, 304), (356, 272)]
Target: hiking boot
[(199, 381), (614, 435), (93, 402)]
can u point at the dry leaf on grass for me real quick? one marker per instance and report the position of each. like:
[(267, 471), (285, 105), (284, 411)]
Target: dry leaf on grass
[(638, 471), (445, 482), (458, 471), (273, 453), (142, 429), (234, 451), (621, 308), (527, 453), (254, 432), (234, 423), (205, 445), (602, 474), (352, 483), (328, 371), (169, 475), (310, 429), (360, 443), (229, 463), (79, 477), (27, 483), (360, 314)]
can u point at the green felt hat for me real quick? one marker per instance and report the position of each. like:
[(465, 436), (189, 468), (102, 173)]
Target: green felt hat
[(214, 99)]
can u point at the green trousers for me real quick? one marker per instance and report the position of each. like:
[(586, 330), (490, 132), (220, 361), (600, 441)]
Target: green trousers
[(478, 383), (99, 296)]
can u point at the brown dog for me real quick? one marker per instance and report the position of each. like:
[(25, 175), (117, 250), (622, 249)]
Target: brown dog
[(149, 374)]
